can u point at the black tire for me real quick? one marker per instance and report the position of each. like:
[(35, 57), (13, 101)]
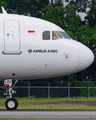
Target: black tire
[(11, 104)]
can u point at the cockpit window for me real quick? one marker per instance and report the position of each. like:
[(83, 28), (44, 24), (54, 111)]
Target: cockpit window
[(65, 35), (56, 35), (46, 35)]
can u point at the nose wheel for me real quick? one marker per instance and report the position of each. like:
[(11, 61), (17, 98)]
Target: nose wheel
[(11, 103)]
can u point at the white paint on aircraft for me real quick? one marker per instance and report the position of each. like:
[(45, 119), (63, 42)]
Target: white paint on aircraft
[(33, 48), (11, 35), (3, 10)]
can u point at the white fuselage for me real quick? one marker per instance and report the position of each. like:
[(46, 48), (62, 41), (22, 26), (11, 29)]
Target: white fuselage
[(24, 54)]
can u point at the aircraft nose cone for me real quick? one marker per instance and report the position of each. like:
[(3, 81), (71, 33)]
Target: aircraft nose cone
[(86, 57)]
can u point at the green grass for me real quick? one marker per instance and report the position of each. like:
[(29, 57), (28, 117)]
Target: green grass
[(56, 100), (52, 103), (22, 119)]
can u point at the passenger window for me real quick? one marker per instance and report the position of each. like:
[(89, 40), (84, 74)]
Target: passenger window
[(56, 35), (46, 35)]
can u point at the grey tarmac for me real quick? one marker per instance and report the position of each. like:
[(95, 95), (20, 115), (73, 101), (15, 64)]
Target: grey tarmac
[(50, 113)]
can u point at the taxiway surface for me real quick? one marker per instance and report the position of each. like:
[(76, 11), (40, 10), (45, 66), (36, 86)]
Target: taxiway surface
[(51, 114)]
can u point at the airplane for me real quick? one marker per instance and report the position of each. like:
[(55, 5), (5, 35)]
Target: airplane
[(32, 48)]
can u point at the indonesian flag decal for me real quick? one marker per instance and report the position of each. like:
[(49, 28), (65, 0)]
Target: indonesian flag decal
[(31, 31)]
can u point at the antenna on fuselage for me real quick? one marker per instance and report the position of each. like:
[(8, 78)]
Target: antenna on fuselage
[(3, 10)]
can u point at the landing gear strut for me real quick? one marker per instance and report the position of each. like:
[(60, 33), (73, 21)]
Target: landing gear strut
[(11, 103)]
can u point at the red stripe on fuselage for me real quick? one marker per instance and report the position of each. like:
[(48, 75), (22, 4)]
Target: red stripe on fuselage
[(31, 31)]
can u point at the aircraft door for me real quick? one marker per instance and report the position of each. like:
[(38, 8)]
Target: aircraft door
[(11, 37)]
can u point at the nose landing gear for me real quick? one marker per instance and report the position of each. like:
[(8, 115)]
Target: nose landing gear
[(11, 103)]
